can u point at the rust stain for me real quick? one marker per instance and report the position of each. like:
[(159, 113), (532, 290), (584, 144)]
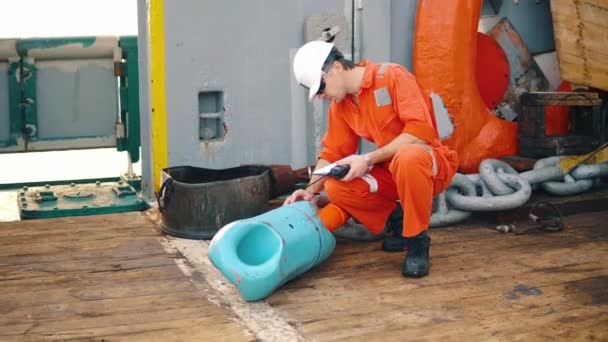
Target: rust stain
[(206, 145)]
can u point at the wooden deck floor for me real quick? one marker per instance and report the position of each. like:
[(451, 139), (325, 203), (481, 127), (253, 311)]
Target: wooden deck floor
[(483, 285), (104, 277), (109, 277)]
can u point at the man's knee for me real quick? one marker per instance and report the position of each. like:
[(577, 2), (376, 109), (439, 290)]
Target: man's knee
[(411, 154), (338, 190)]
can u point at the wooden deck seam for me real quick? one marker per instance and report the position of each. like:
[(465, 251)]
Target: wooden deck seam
[(261, 319)]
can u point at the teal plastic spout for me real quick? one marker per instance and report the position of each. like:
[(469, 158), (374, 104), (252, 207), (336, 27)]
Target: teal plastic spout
[(260, 254)]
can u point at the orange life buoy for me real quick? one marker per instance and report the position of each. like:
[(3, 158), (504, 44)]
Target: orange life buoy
[(445, 49)]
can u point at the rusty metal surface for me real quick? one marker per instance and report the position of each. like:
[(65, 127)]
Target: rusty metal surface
[(284, 179), (196, 202), (64, 200), (520, 164), (587, 124), (525, 74)]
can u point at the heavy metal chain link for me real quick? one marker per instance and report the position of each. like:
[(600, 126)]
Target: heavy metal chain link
[(499, 187)]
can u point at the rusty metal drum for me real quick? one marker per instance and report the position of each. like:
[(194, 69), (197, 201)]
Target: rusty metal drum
[(196, 202)]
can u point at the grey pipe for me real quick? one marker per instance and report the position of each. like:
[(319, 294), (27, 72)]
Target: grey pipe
[(504, 202), (8, 49), (101, 47), (488, 172)]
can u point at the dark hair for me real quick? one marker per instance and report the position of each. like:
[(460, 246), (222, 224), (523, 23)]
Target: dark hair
[(336, 56)]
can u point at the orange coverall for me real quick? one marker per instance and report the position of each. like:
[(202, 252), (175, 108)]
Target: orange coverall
[(390, 102)]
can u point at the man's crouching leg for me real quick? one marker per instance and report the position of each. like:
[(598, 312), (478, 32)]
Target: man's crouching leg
[(412, 170), (369, 205), (393, 240), (416, 262)]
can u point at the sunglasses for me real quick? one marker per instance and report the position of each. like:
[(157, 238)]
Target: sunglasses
[(322, 85), (321, 88)]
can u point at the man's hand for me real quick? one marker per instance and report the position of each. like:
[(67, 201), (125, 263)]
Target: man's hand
[(358, 166), (299, 195)]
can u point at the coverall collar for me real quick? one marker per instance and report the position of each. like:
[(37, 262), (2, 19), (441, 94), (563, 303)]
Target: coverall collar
[(368, 74)]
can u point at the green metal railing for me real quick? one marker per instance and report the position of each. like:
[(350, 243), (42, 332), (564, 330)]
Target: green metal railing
[(23, 86)]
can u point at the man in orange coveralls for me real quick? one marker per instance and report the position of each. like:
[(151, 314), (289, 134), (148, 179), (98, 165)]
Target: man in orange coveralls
[(382, 103)]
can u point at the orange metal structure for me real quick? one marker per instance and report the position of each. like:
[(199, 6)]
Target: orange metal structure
[(445, 49)]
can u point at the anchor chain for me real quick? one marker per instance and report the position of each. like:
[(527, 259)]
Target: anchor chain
[(499, 187)]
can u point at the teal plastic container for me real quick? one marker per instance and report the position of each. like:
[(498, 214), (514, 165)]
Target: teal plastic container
[(260, 254)]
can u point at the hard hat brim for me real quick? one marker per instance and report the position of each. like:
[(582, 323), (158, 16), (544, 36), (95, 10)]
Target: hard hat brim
[(312, 92)]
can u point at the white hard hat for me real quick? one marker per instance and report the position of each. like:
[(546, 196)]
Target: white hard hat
[(308, 64)]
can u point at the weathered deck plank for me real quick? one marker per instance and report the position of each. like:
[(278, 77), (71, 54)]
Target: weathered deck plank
[(109, 277), (483, 285), (102, 277)]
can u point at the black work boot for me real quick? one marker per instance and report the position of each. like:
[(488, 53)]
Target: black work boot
[(416, 263), (394, 240)]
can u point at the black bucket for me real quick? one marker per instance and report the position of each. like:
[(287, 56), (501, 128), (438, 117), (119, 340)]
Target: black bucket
[(196, 202)]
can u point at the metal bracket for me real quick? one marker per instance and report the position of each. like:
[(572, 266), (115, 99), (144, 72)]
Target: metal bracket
[(120, 130), (45, 196), (123, 190), (329, 28), (328, 35)]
